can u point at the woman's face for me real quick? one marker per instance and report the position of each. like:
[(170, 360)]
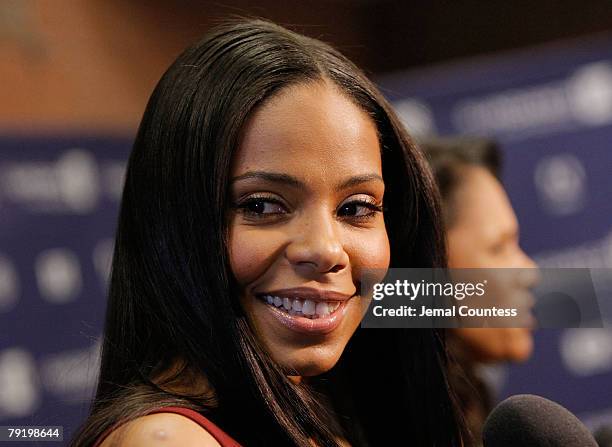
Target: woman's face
[(307, 192), (484, 234)]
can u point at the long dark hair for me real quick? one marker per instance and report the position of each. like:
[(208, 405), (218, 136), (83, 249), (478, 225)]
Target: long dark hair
[(173, 296)]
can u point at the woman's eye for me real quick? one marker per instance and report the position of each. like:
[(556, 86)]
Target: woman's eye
[(359, 209), (262, 207)]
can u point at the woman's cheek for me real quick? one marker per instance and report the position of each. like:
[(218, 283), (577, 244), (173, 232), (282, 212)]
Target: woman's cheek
[(252, 251), (370, 251)]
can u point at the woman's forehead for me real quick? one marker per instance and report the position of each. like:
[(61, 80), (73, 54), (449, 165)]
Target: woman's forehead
[(308, 126)]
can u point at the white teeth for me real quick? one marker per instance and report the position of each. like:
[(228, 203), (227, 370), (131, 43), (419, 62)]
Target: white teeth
[(287, 303), (308, 308), (322, 309), (304, 308)]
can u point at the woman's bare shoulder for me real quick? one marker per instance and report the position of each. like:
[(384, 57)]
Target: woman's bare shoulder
[(161, 429)]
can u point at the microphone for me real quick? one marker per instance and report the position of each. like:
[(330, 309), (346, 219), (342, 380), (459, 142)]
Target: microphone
[(603, 436), (526, 420)]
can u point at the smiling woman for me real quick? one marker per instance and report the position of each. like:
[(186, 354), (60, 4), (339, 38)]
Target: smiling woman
[(253, 202)]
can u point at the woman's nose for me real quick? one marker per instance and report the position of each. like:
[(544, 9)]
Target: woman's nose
[(316, 246), (523, 260)]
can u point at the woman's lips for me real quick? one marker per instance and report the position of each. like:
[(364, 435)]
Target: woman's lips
[(320, 325), (286, 306)]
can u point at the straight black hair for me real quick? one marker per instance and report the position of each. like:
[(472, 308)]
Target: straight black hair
[(172, 294)]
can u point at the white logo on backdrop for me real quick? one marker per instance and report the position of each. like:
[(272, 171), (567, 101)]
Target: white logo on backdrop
[(71, 375), (102, 258), (587, 352), (416, 117), (19, 383), (590, 93), (607, 250), (58, 274), (494, 375), (584, 98), (593, 254), (71, 184), (561, 184), (113, 173), (77, 176), (512, 110), (9, 285)]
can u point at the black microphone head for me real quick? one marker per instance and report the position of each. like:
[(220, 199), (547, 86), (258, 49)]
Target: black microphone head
[(526, 420), (603, 436)]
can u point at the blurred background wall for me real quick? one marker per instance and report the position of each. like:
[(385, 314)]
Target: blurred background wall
[(92, 63), (75, 76)]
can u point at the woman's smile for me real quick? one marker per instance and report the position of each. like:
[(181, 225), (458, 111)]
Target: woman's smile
[(307, 310)]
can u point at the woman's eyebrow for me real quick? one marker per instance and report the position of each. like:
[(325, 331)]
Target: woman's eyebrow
[(286, 179), (359, 179), (275, 177)]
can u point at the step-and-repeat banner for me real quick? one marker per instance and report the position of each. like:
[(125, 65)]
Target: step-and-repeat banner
[(59, 200), (550, 108)]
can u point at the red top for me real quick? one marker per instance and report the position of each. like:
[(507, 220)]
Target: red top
[(222, 438)]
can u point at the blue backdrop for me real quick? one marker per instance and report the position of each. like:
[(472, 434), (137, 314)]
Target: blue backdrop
[(59, 198)]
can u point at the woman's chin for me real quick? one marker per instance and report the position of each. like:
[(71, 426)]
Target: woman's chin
[(309, 362), (303, 351)]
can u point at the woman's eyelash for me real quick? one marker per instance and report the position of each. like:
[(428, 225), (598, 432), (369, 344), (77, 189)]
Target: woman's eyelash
[(370, 205), (260, 207), (349, 207), (255, 206)]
